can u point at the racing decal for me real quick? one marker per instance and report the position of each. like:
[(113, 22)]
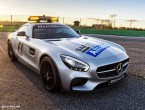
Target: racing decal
[(49, 26), (81, 48), (20, 48), (96, 50), (84, 50)]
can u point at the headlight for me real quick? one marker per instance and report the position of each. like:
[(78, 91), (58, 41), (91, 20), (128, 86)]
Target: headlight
[(74, 63)]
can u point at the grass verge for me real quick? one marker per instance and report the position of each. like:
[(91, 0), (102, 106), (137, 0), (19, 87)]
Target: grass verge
[(8, 28), (89, 31), (113, 32)]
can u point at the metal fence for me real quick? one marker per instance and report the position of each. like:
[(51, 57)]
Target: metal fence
[(85, 22)]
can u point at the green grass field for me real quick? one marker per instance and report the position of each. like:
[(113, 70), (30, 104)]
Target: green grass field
[(8, 28), (113, 32), (89, 31)]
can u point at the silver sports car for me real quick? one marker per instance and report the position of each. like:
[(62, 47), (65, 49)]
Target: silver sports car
[(65, 59)]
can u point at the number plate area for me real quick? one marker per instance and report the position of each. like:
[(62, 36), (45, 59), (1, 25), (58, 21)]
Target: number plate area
[(114, 81)]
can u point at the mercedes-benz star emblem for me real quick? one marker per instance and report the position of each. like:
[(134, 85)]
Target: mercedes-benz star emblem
[(119, 68)]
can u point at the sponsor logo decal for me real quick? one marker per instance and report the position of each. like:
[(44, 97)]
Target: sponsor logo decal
[(49, 26), (96, 50)]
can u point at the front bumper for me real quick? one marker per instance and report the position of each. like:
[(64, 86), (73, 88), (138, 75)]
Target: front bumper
[(87, 81), (91, 84)]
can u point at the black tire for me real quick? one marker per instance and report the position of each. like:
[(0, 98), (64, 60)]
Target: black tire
[(49, 75), (11, 52)]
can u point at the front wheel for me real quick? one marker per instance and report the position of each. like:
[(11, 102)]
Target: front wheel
[(49, 74), (11, 52)]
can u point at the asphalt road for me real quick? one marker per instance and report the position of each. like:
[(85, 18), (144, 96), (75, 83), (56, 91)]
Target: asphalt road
[(21, 87)]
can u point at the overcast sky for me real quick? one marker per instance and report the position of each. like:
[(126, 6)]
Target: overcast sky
[(125, 9)]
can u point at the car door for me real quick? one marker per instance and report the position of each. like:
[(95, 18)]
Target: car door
[(25, 48), (22, 44)]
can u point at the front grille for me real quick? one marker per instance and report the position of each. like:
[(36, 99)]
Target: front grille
[(110, 70)]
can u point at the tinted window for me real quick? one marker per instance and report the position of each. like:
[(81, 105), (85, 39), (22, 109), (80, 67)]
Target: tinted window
[(53, 32)]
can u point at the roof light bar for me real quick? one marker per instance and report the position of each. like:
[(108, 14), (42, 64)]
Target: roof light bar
[(43, 18)]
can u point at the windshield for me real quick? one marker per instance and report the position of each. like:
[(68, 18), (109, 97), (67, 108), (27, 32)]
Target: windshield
[(53, 32)]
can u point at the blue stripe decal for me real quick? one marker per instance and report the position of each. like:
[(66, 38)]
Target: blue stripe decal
[(96, 50)]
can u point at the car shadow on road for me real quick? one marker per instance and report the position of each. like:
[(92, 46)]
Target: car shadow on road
[(112, 97)]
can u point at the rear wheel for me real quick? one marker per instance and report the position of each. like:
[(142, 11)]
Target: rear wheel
[(49, 74), (11, 52)]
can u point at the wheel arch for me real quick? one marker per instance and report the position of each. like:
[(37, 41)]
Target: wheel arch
[(46, 55), (8, 40)]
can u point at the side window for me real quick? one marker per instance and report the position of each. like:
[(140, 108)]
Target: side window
[(25, 29)]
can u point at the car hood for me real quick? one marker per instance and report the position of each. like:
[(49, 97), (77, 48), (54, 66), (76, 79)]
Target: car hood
[(85, 47)]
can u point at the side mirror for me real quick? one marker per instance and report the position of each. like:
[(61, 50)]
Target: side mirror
[(78, 31), (22, 33)]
